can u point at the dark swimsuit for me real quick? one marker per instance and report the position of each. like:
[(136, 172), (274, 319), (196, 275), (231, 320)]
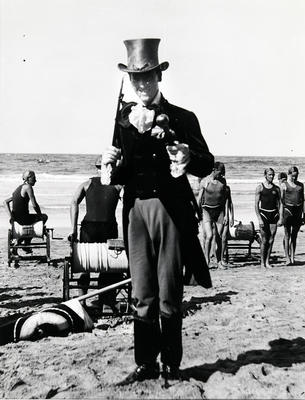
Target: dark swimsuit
[(293, 207), (213, 201), (99, 223), (268, 205), (20, 209)]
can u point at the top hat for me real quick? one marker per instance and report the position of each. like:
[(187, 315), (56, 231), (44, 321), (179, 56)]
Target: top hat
[(142, 56)]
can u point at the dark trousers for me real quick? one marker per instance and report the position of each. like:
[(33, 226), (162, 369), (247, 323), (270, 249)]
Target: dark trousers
[(157, 282)]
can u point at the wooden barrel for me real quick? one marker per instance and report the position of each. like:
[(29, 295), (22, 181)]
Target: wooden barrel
[(242, 231), (98, 257)]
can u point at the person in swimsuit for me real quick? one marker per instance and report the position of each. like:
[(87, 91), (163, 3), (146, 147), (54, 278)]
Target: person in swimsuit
[(228, 221), (282, 177), (267, 205), (59, 320), (98, 225), (214, 211), (292, 211), (20, 206)]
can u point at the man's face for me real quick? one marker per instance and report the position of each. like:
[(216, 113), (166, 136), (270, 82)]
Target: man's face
[(145, 85), (294, 176), (269, 176), (217, 173)]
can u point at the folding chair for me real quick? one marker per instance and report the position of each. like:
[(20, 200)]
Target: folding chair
[(242, 237), (40, 236)]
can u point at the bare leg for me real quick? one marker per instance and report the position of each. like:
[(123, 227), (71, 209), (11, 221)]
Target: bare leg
[(293, 242), (208, 232), (213, 251), (224, 244), (263, 248), (287, 229), (273, 228), (218, 239)]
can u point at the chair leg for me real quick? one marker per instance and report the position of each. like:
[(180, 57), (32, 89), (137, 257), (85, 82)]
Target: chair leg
[(66, 287), (48, 249), (9, 244)]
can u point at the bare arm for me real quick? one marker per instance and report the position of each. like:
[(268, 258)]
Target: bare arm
[(282, 202), (257, 200), (230, 206), (7, 206), (280, 207), (201, 197), (29, 190), (74, 209), (303, 205)]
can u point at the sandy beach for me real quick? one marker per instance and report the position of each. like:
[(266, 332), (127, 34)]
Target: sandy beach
[(243, 338)]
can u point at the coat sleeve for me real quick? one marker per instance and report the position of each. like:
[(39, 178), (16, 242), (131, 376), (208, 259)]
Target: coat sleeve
[(119, 172), (202, 161)]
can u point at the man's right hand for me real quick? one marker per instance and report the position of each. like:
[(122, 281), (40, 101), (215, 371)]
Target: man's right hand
[(111, 155), (72, 237)]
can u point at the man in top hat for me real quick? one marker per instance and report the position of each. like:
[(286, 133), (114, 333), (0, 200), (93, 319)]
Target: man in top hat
[(154, 145)]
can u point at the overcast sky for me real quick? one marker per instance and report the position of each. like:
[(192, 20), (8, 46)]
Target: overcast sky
[(238, 64)]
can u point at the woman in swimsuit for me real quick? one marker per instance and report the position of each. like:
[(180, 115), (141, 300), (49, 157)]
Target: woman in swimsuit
[(292, 211), (267, 205)]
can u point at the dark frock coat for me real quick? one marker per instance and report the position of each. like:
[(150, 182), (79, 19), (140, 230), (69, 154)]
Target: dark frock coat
[(145, 172)]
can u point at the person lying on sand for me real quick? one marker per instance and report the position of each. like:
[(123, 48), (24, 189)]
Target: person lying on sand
[(20, 206), (60, 320)]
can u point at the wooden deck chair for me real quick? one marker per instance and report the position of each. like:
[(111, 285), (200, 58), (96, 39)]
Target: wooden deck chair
[(37, 231)]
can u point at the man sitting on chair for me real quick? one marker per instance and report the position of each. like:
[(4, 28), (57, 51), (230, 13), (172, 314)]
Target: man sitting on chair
[(20, 206), (98, 225)]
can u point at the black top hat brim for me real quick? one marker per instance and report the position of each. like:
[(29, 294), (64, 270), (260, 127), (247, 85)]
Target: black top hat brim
[(163, 66)]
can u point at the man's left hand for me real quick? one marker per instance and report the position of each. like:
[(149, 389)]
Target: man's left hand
[(179, 155)]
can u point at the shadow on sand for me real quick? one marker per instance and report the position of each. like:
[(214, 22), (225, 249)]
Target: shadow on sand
[(194, 304), (32, 302), (282, 353), (7, 289)]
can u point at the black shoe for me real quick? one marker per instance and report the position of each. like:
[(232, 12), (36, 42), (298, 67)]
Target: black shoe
[(170, 372), (141, 373)]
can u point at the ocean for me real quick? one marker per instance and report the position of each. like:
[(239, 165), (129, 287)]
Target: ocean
[(59, 175)]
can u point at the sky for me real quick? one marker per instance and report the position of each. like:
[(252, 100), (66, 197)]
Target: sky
[(238, 64)]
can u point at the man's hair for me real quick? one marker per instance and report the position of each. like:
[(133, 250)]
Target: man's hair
[(268, 170), (27, 174), (282, 175), (159, 73), (157, 69), (293, 169), (219, 166), (98, 162)]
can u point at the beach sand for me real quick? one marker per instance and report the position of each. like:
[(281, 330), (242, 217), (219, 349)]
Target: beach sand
[(243, 338)]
